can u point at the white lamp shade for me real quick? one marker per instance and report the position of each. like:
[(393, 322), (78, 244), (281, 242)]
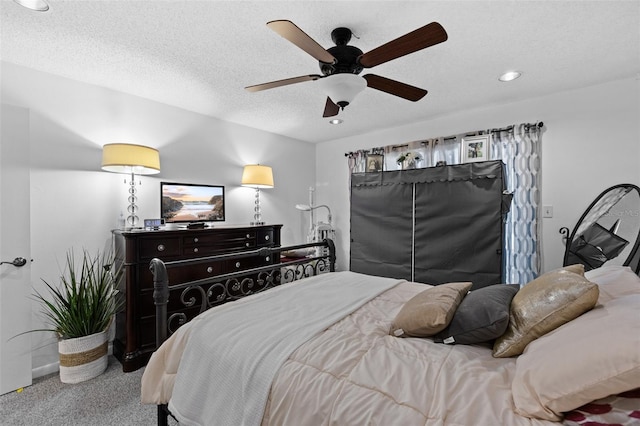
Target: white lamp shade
[(342, 87), (257, 176), (130, 158)]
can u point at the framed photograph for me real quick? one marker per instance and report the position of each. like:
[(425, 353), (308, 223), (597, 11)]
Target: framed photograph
[(475, 148), (374, 163)]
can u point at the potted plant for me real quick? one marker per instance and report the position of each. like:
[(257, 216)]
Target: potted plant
[(81, 308), (408, 160)]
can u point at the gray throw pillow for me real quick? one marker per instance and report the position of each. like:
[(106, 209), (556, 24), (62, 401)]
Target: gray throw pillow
[(482, 316)]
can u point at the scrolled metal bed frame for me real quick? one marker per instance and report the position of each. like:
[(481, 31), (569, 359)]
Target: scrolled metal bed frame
[(220, 289)]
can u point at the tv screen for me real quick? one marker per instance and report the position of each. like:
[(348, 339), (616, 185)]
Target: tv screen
[(188, 202)]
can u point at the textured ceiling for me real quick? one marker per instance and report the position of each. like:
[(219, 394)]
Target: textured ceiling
[(199, 55)]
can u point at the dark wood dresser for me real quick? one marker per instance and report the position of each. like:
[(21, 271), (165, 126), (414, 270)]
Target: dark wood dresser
[(135, 324)]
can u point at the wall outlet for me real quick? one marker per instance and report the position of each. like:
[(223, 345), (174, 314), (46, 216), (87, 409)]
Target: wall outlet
[(547, 211)]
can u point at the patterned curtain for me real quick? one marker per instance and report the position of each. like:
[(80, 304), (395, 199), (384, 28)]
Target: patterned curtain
[(357, 161), (519, 149)]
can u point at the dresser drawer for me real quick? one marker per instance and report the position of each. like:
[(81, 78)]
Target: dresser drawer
[(219, 238), (249, 262), (206, 245), (159, 247), (202, 250), (264, 237), (240, 264), (182, 274)]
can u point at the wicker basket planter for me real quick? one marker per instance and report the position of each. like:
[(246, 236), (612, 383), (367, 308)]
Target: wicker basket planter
[(81, 308), (83, 358)]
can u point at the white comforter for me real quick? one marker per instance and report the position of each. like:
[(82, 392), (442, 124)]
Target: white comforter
[(355, 373), (235, 351)]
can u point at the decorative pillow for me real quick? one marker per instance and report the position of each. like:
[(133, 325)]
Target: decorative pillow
[(589, 358), (430, 311), (543, 305), (578, 268), (482, 316), (614, 281)]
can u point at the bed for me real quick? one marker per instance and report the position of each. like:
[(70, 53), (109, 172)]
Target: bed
[(324, 347)]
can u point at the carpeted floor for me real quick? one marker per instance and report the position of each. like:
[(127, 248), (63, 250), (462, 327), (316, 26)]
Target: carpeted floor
[(112, 398)]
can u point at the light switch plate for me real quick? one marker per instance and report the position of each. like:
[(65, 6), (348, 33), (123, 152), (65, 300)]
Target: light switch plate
[(547, 211)]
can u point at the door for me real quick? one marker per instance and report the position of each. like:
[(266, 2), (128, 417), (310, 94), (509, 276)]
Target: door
[(15, 281)]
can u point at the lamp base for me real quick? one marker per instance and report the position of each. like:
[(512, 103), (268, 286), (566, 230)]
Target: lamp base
[(254, 223)]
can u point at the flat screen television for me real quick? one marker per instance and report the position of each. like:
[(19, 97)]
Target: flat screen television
[(189, 202)]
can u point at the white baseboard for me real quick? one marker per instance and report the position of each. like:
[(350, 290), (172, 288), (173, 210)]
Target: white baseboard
[(45, 370)]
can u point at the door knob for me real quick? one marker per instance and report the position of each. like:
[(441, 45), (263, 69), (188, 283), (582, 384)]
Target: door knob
[(18, 261)]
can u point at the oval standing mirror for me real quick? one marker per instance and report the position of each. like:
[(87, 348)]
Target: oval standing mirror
[(608, 231)]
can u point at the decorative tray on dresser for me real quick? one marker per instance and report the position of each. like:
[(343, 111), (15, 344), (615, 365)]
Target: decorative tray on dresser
[(135, 323)]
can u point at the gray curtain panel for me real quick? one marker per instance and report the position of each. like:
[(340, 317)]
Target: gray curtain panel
[(432, 225)]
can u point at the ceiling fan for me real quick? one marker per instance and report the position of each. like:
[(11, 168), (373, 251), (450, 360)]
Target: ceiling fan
[(341, 64)]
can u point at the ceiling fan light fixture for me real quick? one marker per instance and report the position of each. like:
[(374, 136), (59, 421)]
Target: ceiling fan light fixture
[(342, 88), (341, 64), (335, 121), (510, 76), (37, 5)]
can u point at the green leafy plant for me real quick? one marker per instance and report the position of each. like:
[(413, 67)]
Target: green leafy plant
[(86, 299), (408, 156)]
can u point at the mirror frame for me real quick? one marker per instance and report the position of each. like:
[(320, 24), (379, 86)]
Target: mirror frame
[(570, 237)]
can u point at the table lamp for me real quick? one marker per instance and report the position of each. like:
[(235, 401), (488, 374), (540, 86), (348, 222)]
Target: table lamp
[(134, 160), (257, 176)]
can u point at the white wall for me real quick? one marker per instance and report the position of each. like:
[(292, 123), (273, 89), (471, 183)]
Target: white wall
[(591, 141), (75, 204)]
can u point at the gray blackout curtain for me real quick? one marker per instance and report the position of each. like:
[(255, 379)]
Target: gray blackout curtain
[(518, 147), (432, 225)]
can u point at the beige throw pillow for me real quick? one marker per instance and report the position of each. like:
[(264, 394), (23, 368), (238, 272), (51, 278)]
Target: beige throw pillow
[(429, 312), (578, 268), (543, 305)]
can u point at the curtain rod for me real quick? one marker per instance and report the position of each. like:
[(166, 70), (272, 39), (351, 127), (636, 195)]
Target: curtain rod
[(394, 147), (527, 126)]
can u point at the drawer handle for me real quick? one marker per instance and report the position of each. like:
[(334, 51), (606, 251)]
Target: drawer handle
[(195, 250), (195, 240), (247, 244), (266, 237), (160, 247), (248, 236), (209, 269), (266, 259), (237, 264)]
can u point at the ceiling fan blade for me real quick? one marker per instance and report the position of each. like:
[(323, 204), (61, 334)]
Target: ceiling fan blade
[(421, 38), (330, 108), (295, 35), (394, 87), (278, 83)]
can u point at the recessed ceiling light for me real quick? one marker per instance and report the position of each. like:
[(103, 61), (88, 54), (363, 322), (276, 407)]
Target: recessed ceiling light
[(335, 121), (37, 5), (510, 75)]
